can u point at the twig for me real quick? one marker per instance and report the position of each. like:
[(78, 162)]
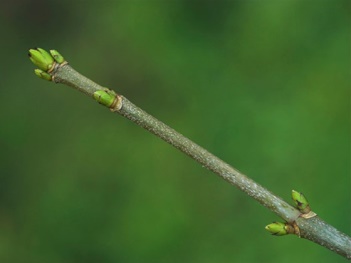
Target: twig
[(54, 67)]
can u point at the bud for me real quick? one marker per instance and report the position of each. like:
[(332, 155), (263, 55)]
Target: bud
[(280, 229), (57, 56), (41, 58), (277, 229), (105, 97), (301, 202), (42, 74)]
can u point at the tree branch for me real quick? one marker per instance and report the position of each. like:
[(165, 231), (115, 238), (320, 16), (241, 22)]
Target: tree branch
[(313, 228)]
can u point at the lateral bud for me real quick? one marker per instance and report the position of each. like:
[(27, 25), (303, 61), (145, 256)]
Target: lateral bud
[(301, 202), (57, 56), (280, 229), (108, 98), (42, 74)]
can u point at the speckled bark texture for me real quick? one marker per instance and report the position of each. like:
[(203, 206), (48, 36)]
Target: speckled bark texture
[(67, 75), (208, 160), (318, 231)]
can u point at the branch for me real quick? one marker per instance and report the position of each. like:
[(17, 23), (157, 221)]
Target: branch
[(301, 221)]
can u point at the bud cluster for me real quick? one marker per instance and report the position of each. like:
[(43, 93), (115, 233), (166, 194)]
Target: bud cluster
[(45, 61)]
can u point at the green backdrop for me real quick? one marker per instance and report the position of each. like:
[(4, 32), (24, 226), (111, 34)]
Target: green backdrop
[(265, 85)]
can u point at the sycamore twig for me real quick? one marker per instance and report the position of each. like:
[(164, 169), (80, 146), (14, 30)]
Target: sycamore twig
[(301, 221)]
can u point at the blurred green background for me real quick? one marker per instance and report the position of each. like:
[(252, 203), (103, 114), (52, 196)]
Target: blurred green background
[(265, 85)]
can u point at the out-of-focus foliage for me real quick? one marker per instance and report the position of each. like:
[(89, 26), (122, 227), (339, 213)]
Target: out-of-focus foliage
[(265, 85)]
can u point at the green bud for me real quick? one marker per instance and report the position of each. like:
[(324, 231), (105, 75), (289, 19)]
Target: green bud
[(42, 74), (301, 202), (57, 56), (280, 229), (277, 229), (41, 58), (105, 97)]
